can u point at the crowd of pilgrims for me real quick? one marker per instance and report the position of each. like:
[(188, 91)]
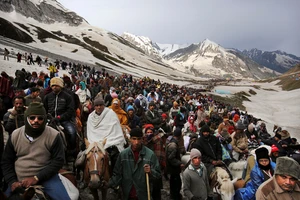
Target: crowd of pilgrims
[(153, 105)]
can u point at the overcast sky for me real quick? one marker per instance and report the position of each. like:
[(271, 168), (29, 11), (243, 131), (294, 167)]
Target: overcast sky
[(264, 24)]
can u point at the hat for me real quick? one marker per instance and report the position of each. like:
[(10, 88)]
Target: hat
[(287, 166), (274, 148), (164, 116), (130, 107), (284, 134), (35, 108), (98, 101), (57, 81), (278, 136), (177, 132), (261, 153), (239, 125), (195, 153), (136, 132), (205, 128)]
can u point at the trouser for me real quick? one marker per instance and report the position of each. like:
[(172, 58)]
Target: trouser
[(209, 168), (175, 186), (71, 134), (157, 186), (113, 153), (52, 187)]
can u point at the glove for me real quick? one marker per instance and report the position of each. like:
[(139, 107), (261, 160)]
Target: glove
[(56, 119)]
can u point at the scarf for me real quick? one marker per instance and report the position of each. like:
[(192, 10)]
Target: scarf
[(198, 169)]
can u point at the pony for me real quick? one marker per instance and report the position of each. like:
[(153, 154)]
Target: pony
[(221, 184), (97, 169), (237, 168)]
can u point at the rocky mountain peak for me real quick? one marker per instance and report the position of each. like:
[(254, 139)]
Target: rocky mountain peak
[(144, 43), (44, 11)]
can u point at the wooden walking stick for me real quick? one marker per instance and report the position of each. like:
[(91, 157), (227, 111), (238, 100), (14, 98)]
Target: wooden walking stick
[(148, 186)]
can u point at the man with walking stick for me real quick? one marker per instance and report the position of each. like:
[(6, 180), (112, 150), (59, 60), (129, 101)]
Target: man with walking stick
[(136, 168)]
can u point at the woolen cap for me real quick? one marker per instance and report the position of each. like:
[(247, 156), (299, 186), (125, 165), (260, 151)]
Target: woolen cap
[(98, 101), (57, 81), (274, 148), (287, 166), (195, 153), (35, 108), (164, 116), (240, 125), (130, 107), (205, 128), (262, 153)]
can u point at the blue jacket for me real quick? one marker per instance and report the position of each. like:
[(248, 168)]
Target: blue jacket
[(257, 178)]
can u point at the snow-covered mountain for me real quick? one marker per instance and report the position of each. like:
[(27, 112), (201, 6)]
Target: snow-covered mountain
[(45, 11), (276, 60), (46, 26), (144, 43), (166, 49), (210, 59), (205, 59), (48, 29)]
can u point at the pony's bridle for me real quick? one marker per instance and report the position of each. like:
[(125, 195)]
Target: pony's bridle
[(97, 172)]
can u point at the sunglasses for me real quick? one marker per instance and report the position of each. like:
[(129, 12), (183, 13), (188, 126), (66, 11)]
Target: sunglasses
[(40, 118)]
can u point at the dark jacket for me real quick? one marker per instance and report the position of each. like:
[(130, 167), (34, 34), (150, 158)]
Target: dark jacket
[(134, 121), (209, 147), (154, 119), (173, 157), (127, 174), (61, 105), (11, 123)]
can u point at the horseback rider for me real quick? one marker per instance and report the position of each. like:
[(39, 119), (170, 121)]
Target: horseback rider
[(34, 154), (60, 105), (210, 147), (239, 141), (103, 123)]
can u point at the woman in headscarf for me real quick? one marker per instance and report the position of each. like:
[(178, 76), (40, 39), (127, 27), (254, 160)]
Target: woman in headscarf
[(82, 92), (122, 115)]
